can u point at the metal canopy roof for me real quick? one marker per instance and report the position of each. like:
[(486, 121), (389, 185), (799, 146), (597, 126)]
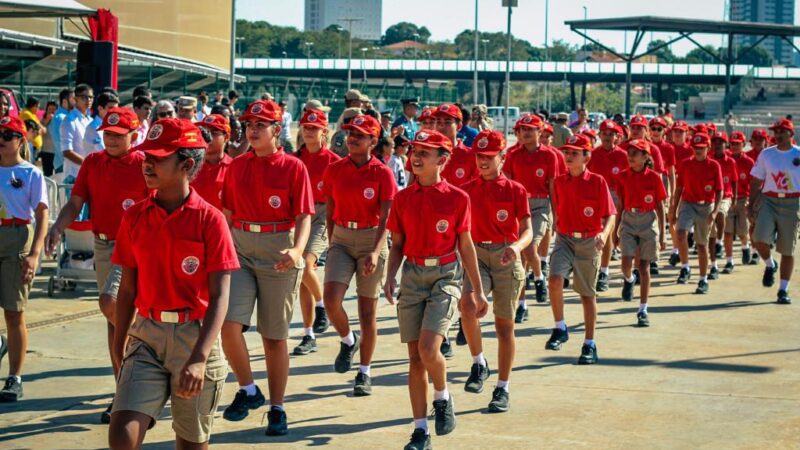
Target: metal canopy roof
[(43, 8), (677, 25)]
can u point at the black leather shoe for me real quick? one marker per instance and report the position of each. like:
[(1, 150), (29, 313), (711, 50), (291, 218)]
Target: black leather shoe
[(654, 268), (769, 275), (541, 291), (557, 337), (684, 275), (588, 355), (242, 404), (713, 274), (627, 291), (702, 287), (321, 322), (602, 282), (444, 416), (363, 385), (307, 345), (728, 269), (674, 259), (277, 425), (461, 339), (521, 315), (344, 360), (783, 298), (642, 319), (420, 440)]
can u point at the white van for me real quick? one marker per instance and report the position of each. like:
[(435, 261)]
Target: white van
[(497, 113), (649, 110)]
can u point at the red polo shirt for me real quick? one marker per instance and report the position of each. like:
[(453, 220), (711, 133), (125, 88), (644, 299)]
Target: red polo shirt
[(110, 186), (533, 169), (641, 190), (316, 163), (753, 154), (191, 242), (430, 218), (700, 180), (357, 192), (667, 154), (267, 189), (209, 182), (561, 162), (743, 167), (462, 167), (729, 174), (658, 159), (608, 164), (582, 202), (682, 153), (503, 203)]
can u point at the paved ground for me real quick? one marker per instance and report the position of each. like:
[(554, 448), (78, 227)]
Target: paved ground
[(714, 371)]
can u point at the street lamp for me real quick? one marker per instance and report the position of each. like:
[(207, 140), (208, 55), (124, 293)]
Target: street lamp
[(585, 15), (308, 49), (364, 51), (475, 57), (509, 4), (349, 21), (416, 36), (339, 41), (485, 50)]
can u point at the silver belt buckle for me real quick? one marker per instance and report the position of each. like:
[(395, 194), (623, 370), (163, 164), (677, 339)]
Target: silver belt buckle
[(486, 242), (781, 195), (352, 225), (701, 202), (170, 317), (102, 237), (635, 210), (577, 235), (254, 228), (431, 262)]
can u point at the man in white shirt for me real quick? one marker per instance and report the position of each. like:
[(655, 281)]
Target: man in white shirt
[(776, 211), (286, 134), (73, 131), (93, 139)]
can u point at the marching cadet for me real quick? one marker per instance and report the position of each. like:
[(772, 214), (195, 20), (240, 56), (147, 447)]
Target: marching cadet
[(23, 226), (776, 175), (172, 296), (268, 202), (683, 151), (500, 232), (608, 160), (359, 190), (737, 222), (730, 177), (585, 215), (641, 194), (698, 192), (430, 222), (211, 178), (759, 139), (110, 181), (317, 157)]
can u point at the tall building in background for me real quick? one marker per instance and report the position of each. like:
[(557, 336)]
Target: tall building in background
[(767, 11), (322, 13)]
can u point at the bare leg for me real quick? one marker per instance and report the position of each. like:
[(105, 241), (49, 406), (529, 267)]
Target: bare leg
[(644, 275), (310, 290), (333, 297), (506, 347), (277, 355), (127, 430), (369, 328), (702, 258), (17, 341), (472, 330), (183, 444), (417, 382), (235, 348), (589, 314), (557, 297)]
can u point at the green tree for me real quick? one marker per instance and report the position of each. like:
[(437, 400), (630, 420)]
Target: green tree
[(664, 54), (560, 50), (405, 31), (699, 56), (758, 57)]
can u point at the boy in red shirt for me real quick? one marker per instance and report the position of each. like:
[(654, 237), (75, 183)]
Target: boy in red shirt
[(698, 193), (430, 222), (730, 178), (585, 215), (116, 166), (683, 151), (737, 223), (460, 168), (759, 139), (210, 180), (172, 298), (501, 233), (317, 157), (641, 195)]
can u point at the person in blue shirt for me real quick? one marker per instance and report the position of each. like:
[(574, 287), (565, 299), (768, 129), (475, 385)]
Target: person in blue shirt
[(408, 120), (466, 133), (93, 139), (66, 100)]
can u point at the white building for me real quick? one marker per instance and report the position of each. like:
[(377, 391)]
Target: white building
[(320, 14)]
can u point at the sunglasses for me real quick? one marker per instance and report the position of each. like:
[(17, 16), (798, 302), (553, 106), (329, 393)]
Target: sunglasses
[(86, 97), (166, 114), (656, 128), (9, 135)]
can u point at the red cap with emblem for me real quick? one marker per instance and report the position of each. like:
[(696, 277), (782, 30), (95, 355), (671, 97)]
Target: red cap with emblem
[(216, 122), (14, 124), (658, 121), (738, 136), (720, 136), (638, 144), (610, 125), (314, 118), (120, 121), (701, 140), (578, 142), (166, 136), (590, 132), (365, 124), (530, 121), (638, 121), (449, 110), (489, 143), (262, 110), (426, 114), (700, 128), (783, 124), (759, 133), (433, 139), (680, 125)]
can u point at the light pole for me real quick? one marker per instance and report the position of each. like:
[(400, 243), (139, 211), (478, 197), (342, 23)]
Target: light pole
[(485, 50), (475, 71), (233, 45), (546, 51), (416, 36), (510, 4), (339, 42), (350, 21), (308, 49), (364, 51), (585, 15)]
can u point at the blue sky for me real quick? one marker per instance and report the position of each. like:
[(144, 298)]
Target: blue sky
[(446, 18)]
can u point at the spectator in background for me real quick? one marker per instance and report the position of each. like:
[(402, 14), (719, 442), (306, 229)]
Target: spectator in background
[(466, 133), (66, 101), (408, 120), (338, 144), (143, 107), (73, 131), (202, 109), (164, 110), (218, 98), (730, 123), (233, 96), (386, 121), (560, 131), (286, 132), (31, 132), (187, 108), (581, 123), (48, 145), (142, 91), (93, 139), (5, 104), (31, 114), (479, 118), (221, 109)]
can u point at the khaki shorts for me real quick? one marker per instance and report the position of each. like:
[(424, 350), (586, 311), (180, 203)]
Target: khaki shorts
[(15, 244), (428, 298), (108, 275), (780, 215), (541, 217), (504, 283), (318, 239), (695, 214), (737, 222), (639, 230), (257, 285), (724, 209), (580, 256), (346, 257), (151, 371)]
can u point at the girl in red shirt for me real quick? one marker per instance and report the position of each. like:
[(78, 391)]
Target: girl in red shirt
[(210, 180)]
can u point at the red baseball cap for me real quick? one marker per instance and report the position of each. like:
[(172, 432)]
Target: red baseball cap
[(530, 121), (578, 142), (712, 126), (427, 113), (547, 128), (14, 124), (489, 143), (266, 110), (590, 132), (680, 125), (433, 139), (120, 121), (720, 136), (759, 133), (738, 136), (701, 128), (701, 140), (449, 110), (638, 144), (638, 121), (314, 118), (216, 122), (610, 125), (783, 124), (365, 124), (166, 136), (658, 121)]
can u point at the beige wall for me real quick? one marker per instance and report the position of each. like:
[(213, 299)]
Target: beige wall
[(194, 30)]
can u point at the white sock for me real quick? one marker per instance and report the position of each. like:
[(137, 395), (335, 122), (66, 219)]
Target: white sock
[(523, 304), (704, 278), (631, 279), (686, 266), (561, 325), (421, 423), (746, 247), (441, 395), (309, 331), (446, 339), (589, 342), (479, 359), (730, 259), (714, 264), (674, 251), (643, 307), (770, 262), (785, 285), (350, 339), (364, 370), (540, 277), (502, 385), (278, 407), (320, 304), (18, 378), (604, 270), (250, 389)]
